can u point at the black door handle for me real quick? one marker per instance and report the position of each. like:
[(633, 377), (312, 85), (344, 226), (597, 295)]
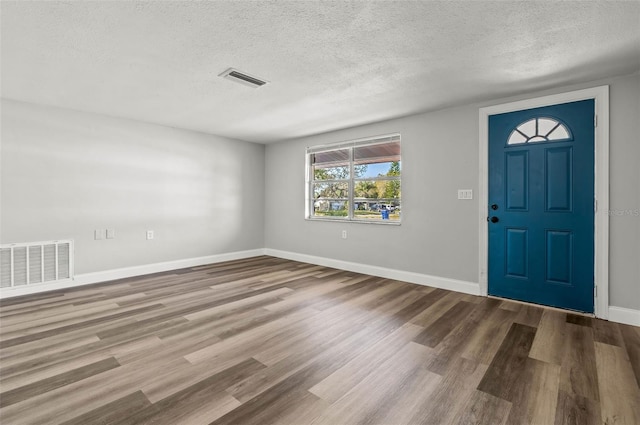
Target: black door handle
[(494, 219)]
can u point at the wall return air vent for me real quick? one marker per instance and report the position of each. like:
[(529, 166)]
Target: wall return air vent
[(23, 264), (243, 78)]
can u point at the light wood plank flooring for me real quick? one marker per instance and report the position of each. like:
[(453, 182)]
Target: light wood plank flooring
[(272, 341)]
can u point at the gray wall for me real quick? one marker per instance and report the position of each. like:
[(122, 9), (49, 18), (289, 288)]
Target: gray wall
[(624, 192), (439, 234), (65, 174), (440, 147)]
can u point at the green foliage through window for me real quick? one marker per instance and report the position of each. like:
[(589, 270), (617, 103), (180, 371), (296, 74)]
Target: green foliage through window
[(356, 181)]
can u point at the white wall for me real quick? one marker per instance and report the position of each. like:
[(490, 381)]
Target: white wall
[(66, 174), (439, 234)]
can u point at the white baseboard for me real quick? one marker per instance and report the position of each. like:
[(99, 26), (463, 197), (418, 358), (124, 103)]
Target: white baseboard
[(418, 278), (616, 314), (107, 275), (627, 316)]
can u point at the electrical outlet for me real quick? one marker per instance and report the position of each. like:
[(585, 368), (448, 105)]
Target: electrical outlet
[(149, 235), (344, 234)]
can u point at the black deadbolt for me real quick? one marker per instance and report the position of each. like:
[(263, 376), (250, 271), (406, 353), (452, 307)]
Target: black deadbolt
[(494, 207)]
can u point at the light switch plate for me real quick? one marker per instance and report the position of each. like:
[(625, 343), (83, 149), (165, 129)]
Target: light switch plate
[(98, 234), (465, 194), (111, 234)]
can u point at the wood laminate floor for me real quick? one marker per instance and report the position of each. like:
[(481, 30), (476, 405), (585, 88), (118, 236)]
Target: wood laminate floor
[(272, 341)]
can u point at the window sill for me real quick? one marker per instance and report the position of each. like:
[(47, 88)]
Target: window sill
[(341, 220)]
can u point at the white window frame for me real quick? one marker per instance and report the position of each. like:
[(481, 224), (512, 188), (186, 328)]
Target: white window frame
[(350, 145)]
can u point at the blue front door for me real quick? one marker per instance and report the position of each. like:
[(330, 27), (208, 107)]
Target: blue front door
[(541, 205)]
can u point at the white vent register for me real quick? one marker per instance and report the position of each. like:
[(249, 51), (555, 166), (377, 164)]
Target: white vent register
[(243, 78), (24, 264)]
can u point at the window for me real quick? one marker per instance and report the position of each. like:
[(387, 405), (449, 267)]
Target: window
[(539, 130), (355, 181)]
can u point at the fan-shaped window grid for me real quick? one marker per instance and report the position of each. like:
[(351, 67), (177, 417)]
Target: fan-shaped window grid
[(541, 129), (355, 181)]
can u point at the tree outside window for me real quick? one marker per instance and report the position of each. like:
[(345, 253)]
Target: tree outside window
[(358, 181)]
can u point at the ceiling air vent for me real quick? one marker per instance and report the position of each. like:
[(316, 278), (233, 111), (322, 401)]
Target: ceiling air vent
[(242, 78)]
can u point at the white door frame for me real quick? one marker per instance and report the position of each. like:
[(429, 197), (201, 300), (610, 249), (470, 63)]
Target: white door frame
[(601, 231)]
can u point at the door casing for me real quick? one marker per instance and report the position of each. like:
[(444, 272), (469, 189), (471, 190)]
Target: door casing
[(601, 232)]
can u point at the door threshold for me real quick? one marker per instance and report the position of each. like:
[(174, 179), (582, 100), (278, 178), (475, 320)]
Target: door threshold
[(562, 310)]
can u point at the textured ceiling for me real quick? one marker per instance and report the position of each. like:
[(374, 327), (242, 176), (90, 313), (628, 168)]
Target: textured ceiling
[(330, 64)]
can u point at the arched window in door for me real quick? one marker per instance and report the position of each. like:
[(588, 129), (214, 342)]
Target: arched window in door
[(542, 129)]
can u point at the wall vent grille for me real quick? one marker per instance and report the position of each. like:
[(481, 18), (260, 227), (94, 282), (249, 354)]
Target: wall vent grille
[(24, 264), (243, 78)]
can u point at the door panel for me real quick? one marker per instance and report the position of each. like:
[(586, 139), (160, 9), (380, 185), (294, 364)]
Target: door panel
[(541, 184), (559, 254), (517, 180), (517, 256), (558, 182)]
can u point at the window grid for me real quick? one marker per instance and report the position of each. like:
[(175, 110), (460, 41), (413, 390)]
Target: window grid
[(530, 131), (373, 206)]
